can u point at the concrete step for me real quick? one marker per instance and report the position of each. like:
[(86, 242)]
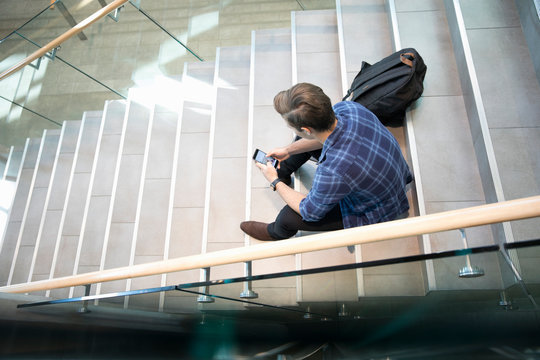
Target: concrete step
[(316, 51), (450, 175), (503, 119), (225, 188), (34, 212), (16, 213), (271, 73), (9, 171), (5, 153), (50, 222), (317, 61), (152, 224), (366, 36), (120, 235), (187, 212), (13, 163), (68, 236), (511, 110), (98, 198)]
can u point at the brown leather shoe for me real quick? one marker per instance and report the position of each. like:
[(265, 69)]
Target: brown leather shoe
[(257, 230)]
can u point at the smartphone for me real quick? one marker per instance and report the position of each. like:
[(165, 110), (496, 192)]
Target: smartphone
[(260, 156)]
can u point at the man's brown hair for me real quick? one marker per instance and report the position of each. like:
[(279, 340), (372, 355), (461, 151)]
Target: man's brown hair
[(305, 105)]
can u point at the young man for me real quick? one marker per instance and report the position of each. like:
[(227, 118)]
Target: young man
[(361, 177)]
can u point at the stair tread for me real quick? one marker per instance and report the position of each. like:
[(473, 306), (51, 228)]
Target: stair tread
[(35, 207), (17, 208), (366, 34), (119, 240), (317, 51), (272, 73), (70, 227), (14, 162), (101, 189), (227, 209), (152, 222), (187, 216), (495, 32)]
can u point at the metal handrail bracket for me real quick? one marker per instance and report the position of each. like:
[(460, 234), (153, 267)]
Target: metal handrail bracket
[(65, 36)]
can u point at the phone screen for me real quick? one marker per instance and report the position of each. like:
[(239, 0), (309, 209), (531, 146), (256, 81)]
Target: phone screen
[(260, 156)]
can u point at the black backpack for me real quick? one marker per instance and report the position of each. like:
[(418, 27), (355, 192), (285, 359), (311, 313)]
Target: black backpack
[(389, 86)]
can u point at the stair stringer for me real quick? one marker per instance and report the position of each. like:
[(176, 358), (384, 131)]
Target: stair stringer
[(439, 121)]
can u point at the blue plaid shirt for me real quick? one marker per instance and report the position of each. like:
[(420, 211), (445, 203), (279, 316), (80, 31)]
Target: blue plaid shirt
[(362, 168)]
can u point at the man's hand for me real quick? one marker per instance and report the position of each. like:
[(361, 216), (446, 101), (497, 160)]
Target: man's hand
[(279, 153), (291, 197), (297, 147), (268, 170)]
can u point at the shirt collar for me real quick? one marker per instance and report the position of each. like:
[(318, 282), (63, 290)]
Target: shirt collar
[(332, 138)]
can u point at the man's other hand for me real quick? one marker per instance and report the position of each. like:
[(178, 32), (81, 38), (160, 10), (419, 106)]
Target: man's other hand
[(279, 153), (268, 170)]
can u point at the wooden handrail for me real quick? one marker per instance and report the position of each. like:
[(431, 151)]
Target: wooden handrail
[(443, 221), (65, 36)]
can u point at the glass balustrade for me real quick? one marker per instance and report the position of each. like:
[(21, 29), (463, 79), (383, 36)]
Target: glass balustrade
[(121, 51), (134, 46), (379, 307), (395, 288)]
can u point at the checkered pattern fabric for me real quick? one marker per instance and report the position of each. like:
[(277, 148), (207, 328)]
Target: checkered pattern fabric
[(362, 168)]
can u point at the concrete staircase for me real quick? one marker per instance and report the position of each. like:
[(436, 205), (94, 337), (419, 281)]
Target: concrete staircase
[(149, 179)]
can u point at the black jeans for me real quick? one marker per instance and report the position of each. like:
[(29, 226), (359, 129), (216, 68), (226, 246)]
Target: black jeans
[(294, 162), (288, 222)]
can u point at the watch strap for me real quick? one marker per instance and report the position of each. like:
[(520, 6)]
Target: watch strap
[(274, 183)]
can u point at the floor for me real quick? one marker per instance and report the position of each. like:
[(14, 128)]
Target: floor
[(116, 55)]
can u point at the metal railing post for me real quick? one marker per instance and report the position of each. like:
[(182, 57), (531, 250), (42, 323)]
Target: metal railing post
[(84, 308), (206, 289), (468, 271), (248, 292)]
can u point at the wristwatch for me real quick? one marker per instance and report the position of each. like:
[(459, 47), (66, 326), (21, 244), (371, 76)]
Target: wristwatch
[(274, 183)]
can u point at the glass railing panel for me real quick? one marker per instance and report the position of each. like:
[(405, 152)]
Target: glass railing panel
[(393, 277), (148, 41), (51, 89), (54, 92), (22, 112), (56, 19), (50, 24), (212, 24), (315, 5), (527, 259), (525, 262), (113, 57), (42, 20), (339, 303)]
